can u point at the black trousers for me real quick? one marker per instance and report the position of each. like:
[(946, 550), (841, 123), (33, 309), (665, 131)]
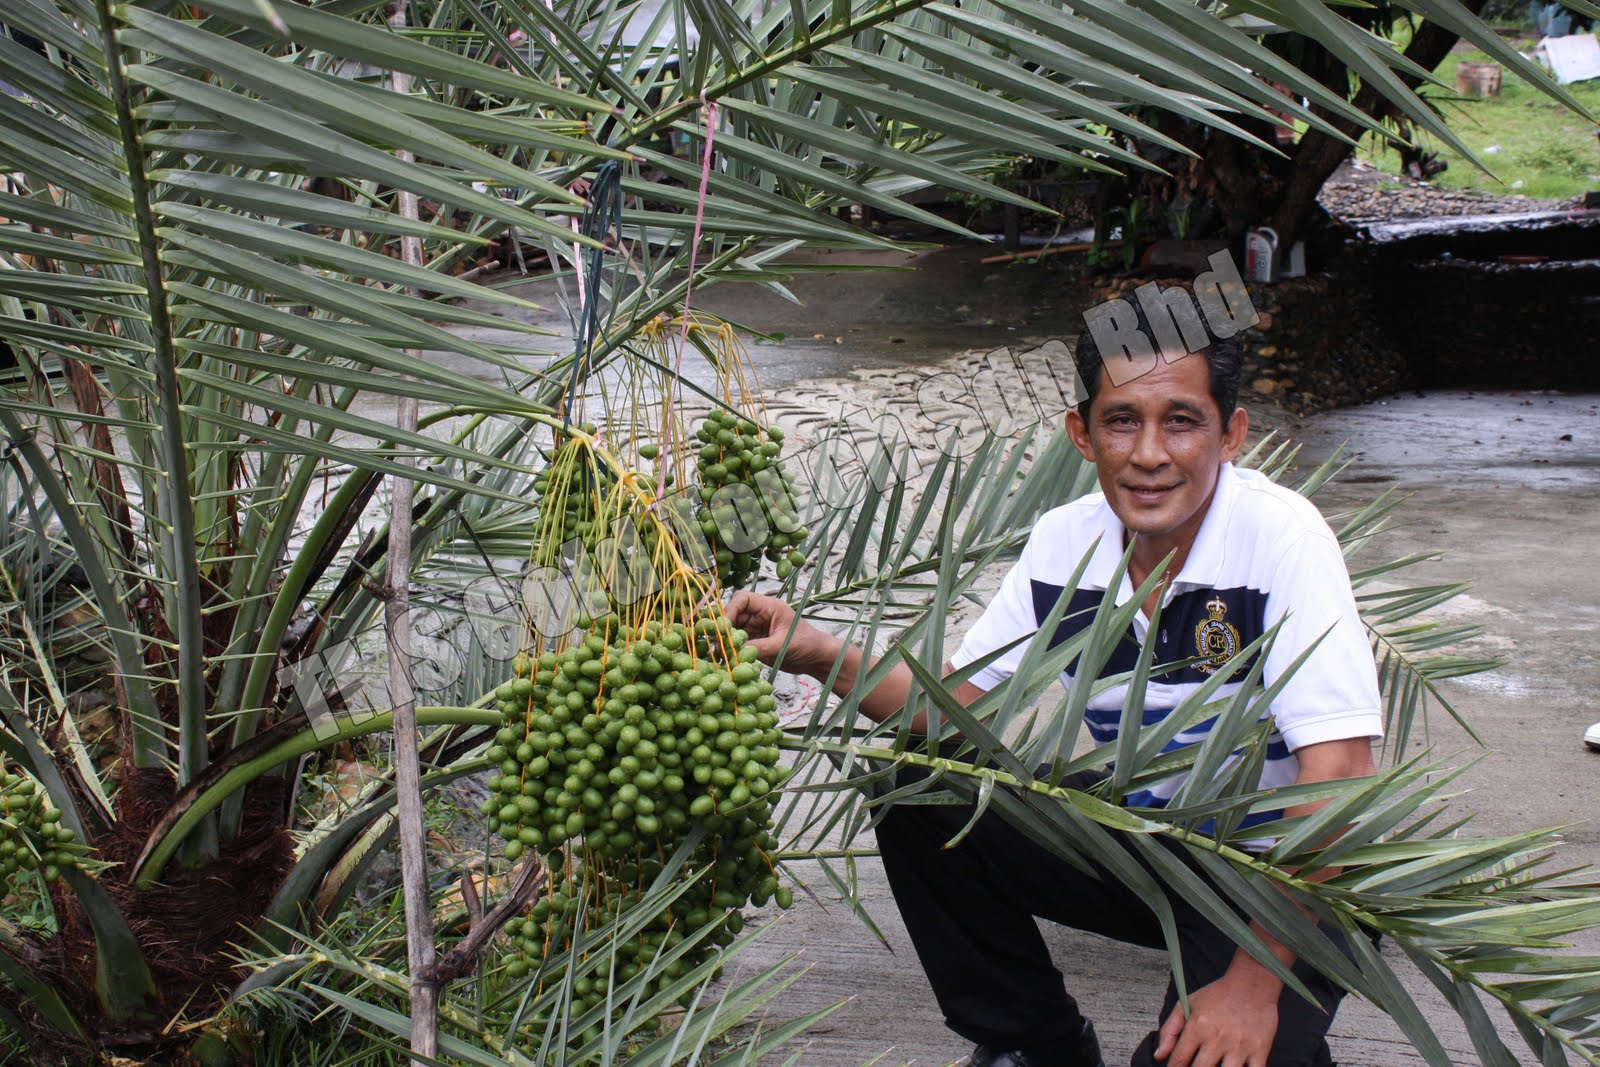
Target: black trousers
[(970, 912)]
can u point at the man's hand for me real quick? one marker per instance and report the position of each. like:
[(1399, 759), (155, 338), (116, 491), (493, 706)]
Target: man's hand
[(766, 621), (1231, 1022)]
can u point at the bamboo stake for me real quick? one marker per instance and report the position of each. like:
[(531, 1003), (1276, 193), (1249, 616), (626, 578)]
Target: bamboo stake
[(1048, 250), (420, 951)]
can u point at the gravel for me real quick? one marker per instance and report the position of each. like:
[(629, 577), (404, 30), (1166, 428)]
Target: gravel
[(1359, 192)]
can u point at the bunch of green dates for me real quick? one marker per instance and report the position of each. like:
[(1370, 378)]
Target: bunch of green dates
[(618, 748), (747, 498), (31, 835), (572, 492), (673, 942)]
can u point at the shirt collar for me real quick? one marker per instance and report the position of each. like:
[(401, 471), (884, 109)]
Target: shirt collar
[(1204, 564)]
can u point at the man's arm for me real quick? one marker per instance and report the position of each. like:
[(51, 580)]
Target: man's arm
[(1234, 1019), (767, 622)]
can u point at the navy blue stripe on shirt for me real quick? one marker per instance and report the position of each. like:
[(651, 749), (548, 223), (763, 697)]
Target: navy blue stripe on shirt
[(1144, 798), (1079, 614)]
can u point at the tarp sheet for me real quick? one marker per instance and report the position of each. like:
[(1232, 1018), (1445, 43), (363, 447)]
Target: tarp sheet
[(1571, 59)]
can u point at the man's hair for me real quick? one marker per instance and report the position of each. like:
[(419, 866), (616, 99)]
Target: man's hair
[(1224, 360)]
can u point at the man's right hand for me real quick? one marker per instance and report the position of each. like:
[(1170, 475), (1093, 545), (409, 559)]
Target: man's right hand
[(766, 621)]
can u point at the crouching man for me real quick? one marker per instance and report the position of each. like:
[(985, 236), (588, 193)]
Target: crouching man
[(1246, 554)]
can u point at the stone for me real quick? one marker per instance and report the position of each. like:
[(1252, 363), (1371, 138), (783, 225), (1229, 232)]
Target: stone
[(1267, 351), (1264, 386)]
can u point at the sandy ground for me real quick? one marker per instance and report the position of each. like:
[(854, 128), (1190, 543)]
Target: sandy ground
[(1508, 486)]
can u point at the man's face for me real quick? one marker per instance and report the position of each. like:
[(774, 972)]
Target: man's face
[(1157, 442)]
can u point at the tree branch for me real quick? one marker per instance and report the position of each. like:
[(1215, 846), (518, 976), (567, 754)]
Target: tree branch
[(1319, 154), (526, 885)]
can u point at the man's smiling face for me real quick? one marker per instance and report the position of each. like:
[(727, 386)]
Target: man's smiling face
[(1157, 442)]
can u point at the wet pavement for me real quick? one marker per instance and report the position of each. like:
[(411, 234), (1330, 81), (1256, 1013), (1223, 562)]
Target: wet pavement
[(917, 309)]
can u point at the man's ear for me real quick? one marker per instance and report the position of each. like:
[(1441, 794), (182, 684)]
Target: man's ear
[(1233, 437), (1078, 430)]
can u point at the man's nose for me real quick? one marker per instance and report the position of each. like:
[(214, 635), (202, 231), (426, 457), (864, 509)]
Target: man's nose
[(1149, 446)]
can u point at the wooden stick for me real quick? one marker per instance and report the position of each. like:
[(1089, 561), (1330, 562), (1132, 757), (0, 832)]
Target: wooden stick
[(468, 275), (1050, 250), (420, 950)]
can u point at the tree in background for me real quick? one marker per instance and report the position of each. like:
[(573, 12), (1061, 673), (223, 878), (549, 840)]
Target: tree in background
[(1266, 180)]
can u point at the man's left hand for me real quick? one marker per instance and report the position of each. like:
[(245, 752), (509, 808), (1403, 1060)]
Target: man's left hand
[(1231, 1022)]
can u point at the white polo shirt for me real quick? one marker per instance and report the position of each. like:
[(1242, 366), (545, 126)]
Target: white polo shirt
[(1263, 553)]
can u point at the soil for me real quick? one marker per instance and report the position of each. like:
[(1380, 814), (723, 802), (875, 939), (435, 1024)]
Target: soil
[(188, 925)]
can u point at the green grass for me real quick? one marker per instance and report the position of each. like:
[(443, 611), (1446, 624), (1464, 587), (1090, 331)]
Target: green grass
[(1550, 149)]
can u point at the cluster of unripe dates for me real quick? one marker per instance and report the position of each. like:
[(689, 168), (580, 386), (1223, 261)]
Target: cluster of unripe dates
[(613, 752), (747, 498), (31, 835), (571, 492)]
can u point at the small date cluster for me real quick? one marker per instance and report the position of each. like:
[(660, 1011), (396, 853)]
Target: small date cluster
[(31, 835), (571, 492), (736, 454)]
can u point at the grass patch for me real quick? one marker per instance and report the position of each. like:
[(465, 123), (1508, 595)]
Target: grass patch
[(1550, 149)]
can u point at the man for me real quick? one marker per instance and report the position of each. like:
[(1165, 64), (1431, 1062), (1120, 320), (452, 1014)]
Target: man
[(1246, 554)]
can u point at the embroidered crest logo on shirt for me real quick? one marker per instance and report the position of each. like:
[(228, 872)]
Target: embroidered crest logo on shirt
[(1216, 640)]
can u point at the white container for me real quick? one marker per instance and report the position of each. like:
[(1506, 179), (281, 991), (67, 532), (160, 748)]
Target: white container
[(1261, 254)]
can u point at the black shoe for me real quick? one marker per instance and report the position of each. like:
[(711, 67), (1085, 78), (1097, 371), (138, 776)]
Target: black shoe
[(1084, 1052), (983, 1056)]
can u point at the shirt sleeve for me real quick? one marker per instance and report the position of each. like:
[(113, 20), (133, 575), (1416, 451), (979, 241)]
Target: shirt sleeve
[(1009, 616), (1333, 695)]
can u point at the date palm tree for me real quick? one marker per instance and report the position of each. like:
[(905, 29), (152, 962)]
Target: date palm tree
[(200, 295)]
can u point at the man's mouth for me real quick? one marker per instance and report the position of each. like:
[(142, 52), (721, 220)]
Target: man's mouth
[(1149, 493)]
